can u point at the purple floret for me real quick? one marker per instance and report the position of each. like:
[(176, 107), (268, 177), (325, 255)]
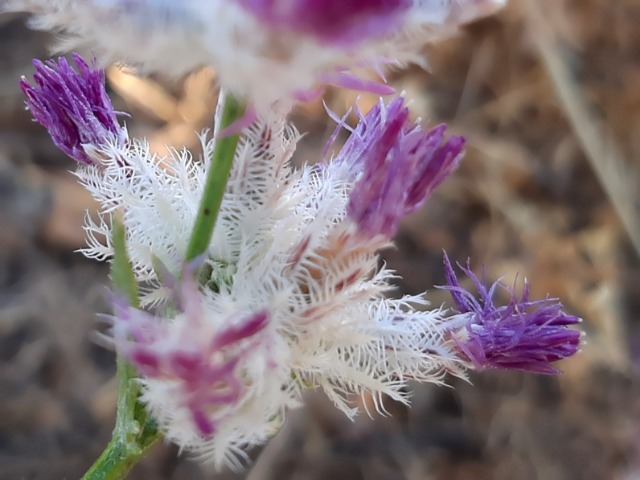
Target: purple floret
[(72, 105), (396, 166), (522, 335)]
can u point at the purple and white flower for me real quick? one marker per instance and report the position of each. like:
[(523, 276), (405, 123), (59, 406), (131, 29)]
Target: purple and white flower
[(291, 295), (264, 50)]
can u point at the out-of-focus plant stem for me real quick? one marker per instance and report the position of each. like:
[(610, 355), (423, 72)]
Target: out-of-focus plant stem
[(135, 431)]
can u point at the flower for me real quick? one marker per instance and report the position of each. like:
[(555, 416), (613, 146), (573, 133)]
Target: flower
[(522, 335), (291, 295), (284, 267), (295, 44), (396, 165), (73, 106)]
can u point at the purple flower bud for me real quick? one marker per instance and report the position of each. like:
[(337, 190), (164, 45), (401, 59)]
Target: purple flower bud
[(522, 335), (396, 166), (72, 105), (342, 22)]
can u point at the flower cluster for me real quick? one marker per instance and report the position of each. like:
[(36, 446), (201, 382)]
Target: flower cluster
[(285, 248), (395, 166), (290, 296), (204, 373)]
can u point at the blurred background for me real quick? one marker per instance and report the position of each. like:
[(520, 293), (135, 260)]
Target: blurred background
[(548, 95)]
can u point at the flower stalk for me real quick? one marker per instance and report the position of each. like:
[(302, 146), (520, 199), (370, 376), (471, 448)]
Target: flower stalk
[(231, 111), (135, 431)]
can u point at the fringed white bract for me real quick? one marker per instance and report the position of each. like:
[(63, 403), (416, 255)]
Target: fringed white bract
[(282, 245)]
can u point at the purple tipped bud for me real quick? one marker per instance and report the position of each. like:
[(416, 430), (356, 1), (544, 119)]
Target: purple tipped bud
[(397, 165), (341, 22), (522, 335), (73, 106)]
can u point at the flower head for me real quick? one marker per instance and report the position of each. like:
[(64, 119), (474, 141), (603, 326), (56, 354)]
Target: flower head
[(396, 165), (265, 50), (522, 335), (291, 300), (73, 106)]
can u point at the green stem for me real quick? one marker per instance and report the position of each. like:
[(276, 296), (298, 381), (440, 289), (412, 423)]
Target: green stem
[(129, 443), (232, 110), (135, 431)]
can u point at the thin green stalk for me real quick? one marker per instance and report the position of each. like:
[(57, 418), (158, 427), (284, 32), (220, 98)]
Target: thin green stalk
[(129, 443), (135, 431), (231, 111)]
